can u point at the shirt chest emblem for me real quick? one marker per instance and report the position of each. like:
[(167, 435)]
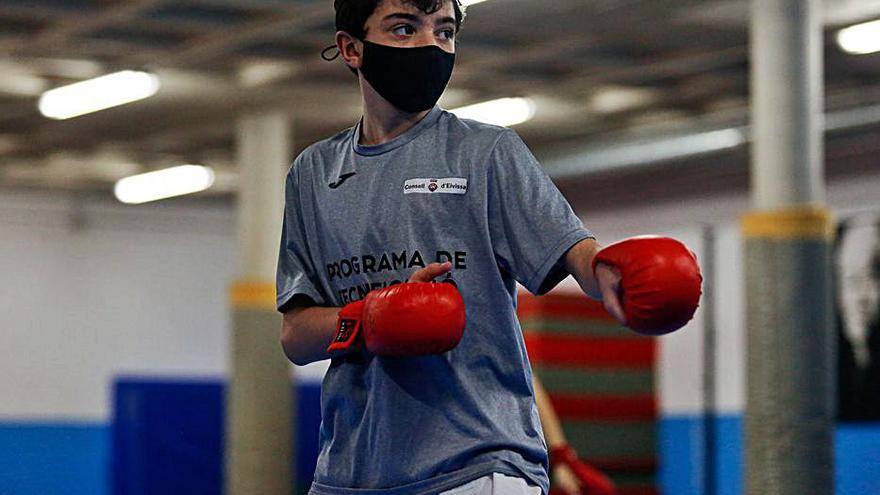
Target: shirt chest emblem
[(448, 185)]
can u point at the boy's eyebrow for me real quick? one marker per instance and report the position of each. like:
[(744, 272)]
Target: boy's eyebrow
[(405, 16), (416, 19), (446, 20)]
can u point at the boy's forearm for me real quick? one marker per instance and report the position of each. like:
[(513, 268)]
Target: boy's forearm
[(579, 261), (306, 333)]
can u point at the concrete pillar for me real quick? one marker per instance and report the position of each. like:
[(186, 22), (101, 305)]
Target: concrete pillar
[(259, 402), (791, 346)]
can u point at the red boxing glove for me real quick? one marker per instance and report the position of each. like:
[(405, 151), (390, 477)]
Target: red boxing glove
[(411, 319), (660, 282), (593, 481)]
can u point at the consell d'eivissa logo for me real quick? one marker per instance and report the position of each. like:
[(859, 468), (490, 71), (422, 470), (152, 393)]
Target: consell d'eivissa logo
[(449, 185)]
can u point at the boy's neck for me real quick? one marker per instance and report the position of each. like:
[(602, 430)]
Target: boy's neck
[(383, 121)]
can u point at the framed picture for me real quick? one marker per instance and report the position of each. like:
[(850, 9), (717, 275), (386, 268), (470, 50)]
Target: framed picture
[(856, 268)]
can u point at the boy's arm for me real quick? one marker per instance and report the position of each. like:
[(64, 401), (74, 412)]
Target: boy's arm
[(603, 285), (306, 329)]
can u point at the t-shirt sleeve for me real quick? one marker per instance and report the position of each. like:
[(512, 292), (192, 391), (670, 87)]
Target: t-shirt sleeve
[(296, 274), (531, 224)]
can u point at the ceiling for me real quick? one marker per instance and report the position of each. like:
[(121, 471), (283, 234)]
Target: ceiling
[(598, 70)]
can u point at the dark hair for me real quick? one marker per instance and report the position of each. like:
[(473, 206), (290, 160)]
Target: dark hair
[(352, 15)]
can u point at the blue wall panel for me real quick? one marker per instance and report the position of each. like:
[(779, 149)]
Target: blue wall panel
[(53, 458), (681, 455), (167, 439), (309, 419), (168, 436), (857, 456), (729, 455)]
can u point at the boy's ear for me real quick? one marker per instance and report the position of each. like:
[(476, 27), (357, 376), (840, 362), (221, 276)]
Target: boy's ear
[(350, 48)]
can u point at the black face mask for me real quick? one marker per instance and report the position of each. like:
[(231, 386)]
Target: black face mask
[(411, 79)]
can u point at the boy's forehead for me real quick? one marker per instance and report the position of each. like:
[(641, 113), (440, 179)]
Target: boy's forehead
[(385, 7)]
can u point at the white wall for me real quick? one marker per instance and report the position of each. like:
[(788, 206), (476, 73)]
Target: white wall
[(116, 290)]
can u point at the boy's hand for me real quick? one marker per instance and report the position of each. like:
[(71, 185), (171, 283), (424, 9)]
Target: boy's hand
[(608, 279), (430, 272), (653, 282)]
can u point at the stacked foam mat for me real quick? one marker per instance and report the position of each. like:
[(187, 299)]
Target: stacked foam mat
[(600, 378)]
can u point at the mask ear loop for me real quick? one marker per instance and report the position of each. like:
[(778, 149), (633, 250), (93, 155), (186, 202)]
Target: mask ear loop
[(327, 57), (336, 55)]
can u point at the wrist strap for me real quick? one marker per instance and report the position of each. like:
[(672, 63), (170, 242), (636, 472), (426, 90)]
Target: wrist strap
[(347, 336)]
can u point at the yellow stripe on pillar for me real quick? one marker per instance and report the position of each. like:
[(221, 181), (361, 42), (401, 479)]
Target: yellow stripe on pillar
[(249, 294), (789, 224)]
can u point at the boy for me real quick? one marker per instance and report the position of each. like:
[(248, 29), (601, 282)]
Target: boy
[(410, 194)]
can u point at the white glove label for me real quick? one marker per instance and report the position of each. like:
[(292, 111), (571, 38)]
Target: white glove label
[(449, 185)]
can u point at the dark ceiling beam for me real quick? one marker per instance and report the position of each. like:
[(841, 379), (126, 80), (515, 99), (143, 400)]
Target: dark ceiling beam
[(592, 74), (478, 60), (31, 12), (71, 25), (115, 52), (207, 48)]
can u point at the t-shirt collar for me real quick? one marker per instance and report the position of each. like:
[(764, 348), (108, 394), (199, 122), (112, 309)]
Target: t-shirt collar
[(397, 142)]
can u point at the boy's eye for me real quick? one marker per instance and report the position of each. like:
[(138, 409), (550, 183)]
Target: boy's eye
[(404, 30), (448, 34)]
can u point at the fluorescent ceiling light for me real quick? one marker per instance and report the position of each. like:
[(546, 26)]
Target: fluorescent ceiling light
[(613, 99), (20, 83), (466, 3), (860, 39), (263, 72), (98, 94), (503, 112), (161, 184)]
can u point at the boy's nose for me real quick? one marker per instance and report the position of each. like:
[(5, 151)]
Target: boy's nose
[(426, 38)]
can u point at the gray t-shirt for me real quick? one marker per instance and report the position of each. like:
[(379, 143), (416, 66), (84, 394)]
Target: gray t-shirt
[(358, 218)]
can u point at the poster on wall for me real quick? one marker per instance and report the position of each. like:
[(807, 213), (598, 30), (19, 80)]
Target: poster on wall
[(857, 309)]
